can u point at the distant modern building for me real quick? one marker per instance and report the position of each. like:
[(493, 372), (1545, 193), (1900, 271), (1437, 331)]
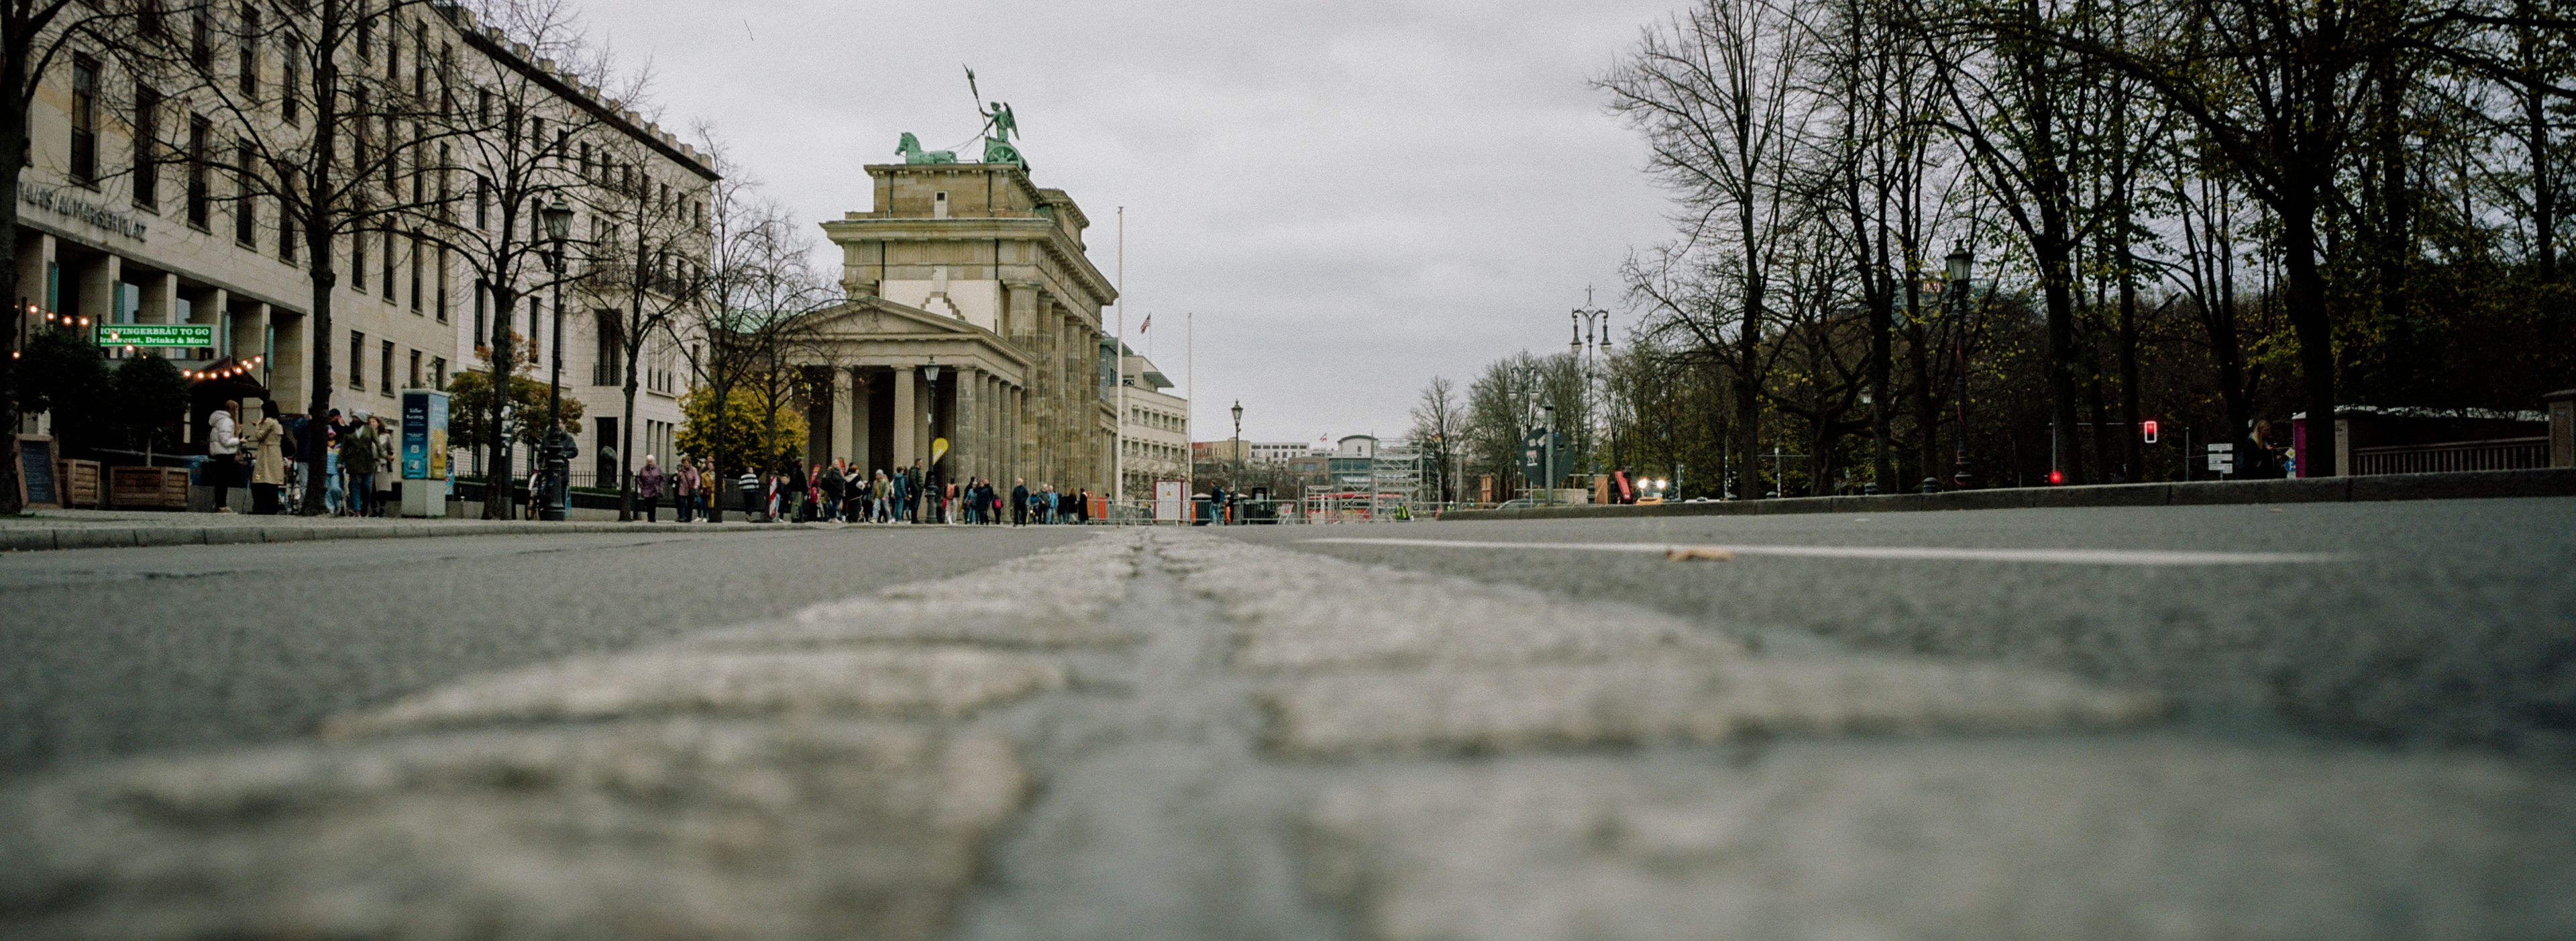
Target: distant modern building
[(1273, 452), (1365, 464), (1153, 430)]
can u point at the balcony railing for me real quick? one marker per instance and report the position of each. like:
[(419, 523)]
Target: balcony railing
[(2498, 454)]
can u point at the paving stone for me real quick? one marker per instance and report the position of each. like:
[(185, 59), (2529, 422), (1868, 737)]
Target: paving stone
[(1977, 841), (667, 829), (1304, 611), (1556, 705), (940, 682)]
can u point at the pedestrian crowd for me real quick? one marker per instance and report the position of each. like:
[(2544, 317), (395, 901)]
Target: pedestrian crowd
[(357, 464), (357, 457)]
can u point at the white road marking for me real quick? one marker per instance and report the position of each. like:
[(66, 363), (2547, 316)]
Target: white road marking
[(1927, 553)]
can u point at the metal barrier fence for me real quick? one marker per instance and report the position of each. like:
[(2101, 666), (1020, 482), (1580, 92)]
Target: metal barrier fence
[(2499, 454)]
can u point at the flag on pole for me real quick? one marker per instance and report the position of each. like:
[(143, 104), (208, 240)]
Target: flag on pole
[(1147, 325)]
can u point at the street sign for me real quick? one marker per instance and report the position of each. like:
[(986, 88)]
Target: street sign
[(156, 334), (2222, 458)]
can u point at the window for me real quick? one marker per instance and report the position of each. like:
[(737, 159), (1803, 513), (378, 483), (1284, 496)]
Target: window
[(419, 58), (358, 146), (200, 201), (415, 273), (385, 369), (287, 234), (147, 148), (482, 203), (479, 313), (249, 50), (357, 360), (387, 288), (415, 370), (245, 197), (605, 369), (585, 161), (147, 18), (201, 39), (290, 66), (366, 30), (393, 57), (446, 200), (358, 261), (438, 372), (442, 284), (483, 106), (85, 121)]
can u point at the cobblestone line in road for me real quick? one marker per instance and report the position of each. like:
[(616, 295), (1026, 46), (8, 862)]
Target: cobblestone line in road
[(2069, 827), (761, 782)]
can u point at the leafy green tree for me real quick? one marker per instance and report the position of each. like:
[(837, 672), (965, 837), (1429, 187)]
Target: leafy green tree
[(64, 374), (149, 404), (469, 406), (702, 427)]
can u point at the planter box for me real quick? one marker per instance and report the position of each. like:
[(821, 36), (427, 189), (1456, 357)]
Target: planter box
[(80, 482), (147, 488)]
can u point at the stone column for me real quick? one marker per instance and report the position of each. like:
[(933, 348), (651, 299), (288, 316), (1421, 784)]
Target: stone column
[(970, 446), (905, 418), (250, 338), (209, 308), (842, 422), (98, 281), (289, 366), (35, 257), (992, 400), (159, 302)]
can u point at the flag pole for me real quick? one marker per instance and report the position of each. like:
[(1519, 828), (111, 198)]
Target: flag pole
[(1118, 456)]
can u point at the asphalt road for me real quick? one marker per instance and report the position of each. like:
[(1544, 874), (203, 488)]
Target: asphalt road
[(115, 651), (2438, 623)]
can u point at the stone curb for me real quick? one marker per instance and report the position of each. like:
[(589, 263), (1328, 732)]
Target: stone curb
[(38, 538), (2468, 485)]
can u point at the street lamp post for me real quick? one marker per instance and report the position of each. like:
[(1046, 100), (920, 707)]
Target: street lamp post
[(1961, 265), (558, 451), (1591, 343), (1238, 457)]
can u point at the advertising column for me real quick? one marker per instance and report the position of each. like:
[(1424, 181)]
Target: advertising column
[(424, 452)]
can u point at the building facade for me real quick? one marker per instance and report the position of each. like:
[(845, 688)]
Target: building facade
[(135, 209), (1153, 430), (973, 316)]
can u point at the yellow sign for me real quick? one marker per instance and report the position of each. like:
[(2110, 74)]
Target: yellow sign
[(938, 449)]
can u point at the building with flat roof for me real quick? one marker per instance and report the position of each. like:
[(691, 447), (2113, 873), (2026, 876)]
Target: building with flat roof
[(1154, 432), (135, 209), (973, 316)]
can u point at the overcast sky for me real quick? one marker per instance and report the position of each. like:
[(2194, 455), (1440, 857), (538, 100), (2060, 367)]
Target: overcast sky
[(1352, 197)]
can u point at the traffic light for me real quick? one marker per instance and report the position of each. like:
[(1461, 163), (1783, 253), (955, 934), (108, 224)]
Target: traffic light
[(2147, 429), (2056, 477)]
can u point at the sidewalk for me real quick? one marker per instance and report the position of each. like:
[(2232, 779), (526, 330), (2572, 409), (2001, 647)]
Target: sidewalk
[(113, 529)]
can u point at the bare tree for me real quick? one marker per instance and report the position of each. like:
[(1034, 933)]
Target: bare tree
[(1437, 428), (1716, 93), (648, 248), (760, 294)]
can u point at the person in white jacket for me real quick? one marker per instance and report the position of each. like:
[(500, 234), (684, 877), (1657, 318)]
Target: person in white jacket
[(223, 452)]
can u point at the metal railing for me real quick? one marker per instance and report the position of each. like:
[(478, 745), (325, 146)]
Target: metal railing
[(2498, 454)]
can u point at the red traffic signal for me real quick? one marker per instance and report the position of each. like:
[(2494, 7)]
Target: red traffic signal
[(2056, 477), (2147, 429)]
